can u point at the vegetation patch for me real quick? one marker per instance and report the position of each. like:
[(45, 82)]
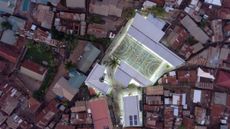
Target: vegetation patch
[(40, 53), (95, 19)]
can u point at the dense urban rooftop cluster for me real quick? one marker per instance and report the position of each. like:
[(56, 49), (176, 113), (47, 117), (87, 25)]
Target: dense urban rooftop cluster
[(114, 64)]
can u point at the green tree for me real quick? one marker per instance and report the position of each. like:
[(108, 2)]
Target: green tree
[(129, 13), (112, 62), (6, 25), (95, 19), (71, 41), (69, 65), (39, 95), (55, 34), (157, 11)]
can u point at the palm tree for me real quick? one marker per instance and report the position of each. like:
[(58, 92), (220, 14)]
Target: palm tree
[(112, 62)]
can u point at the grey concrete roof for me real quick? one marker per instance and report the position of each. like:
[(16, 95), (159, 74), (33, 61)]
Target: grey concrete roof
[(9, 37), (194, 29), (89, 55)]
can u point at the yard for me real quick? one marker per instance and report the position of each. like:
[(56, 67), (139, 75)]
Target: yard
[(44, 55), (40, 54)]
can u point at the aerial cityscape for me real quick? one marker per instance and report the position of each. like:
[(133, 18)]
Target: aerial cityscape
[(114, 64)]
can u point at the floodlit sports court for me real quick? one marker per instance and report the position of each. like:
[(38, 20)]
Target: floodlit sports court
[(138, 56)]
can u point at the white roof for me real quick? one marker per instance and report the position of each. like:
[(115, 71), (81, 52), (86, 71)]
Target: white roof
[(167, 101), (176, 99), (122, 77), (125, 73), (131, 110), (175, 111), (184, 101), (93, 80), (214, 2), (146, 27), (197, 96), (148, 4), (159, 23), (203, 74), (194, 2)]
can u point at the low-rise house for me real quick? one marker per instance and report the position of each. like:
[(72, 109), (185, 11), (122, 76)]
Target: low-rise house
[(217, 30), (223, 13), (44, 16), (177, 37), (8, 6), (205, 79), (3, 66), (223, 79), (64, 126), (33, 105), (154, 90), (45, 2), (33, 70), (70, 22), (100, 113), (80, 114), (69, 87), (97, 30), (188, 123), (106, 7), (200, 115), (153, 107), (220, 98), (201, 97), (217, 112), (88, 57), (193, 10), (9, 36), (152, 121), (80, 106), (9, 105), (76, 4), (168, 121), (194, 30), (46, 115), (14, 121), (2, 118), (40, 35), (214, 2), (200, 127)]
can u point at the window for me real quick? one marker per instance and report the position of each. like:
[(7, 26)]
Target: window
[(130, 120), (135, 119)]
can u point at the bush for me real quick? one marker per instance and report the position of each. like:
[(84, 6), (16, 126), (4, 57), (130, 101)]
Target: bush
[(6, 25), (129, 13), (95, 19), (55, 34)]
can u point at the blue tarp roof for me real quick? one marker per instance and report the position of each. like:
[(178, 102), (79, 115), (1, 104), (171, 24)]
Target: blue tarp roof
[(76, 79)]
